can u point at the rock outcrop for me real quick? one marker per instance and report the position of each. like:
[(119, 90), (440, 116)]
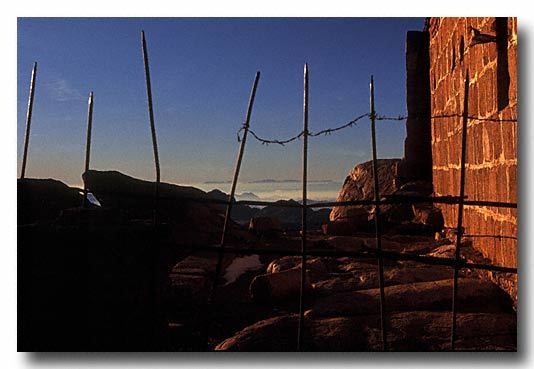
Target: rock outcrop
[(359, 186), (193, 220), (399, 218), (136, 196)]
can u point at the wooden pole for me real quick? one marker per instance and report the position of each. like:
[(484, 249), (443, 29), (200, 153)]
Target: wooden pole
[(459, 228), (88, 145), (227, 218), (152, 126), (28, 121), (304, 226), (378, 228)]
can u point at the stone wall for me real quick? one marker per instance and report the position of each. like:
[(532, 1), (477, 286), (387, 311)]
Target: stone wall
[(491, 169)]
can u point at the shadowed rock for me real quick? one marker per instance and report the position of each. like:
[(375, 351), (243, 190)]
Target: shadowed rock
[(193, 219), (277, 286), (44, 199), (474, 295), (413, 331), (265, 226), (366, 277), (192, 278), (315, 264)]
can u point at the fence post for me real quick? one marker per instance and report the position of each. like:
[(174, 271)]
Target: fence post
[(304, 227), (28, 121), (237, 168), (460, 229), (152, 127), (88, 145), (378, 229)]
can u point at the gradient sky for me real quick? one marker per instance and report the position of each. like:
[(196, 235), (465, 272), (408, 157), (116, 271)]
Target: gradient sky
[(202, 70)]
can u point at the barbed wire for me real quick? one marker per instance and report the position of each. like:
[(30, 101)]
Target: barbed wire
[(384, 117), (351, 123), (329, 131), (325, 132)]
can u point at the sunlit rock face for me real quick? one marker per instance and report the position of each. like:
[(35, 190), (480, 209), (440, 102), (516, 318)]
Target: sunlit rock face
[(398, 218), (359, 186)]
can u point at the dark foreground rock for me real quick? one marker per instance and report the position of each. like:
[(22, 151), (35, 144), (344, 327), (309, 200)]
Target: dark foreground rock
[(413, 331), (187, 209), (136, 197), (44, 199)]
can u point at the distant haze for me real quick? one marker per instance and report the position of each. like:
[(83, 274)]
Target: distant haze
[(280, 190)]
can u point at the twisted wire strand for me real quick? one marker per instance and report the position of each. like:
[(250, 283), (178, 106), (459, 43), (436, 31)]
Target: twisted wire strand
[(328, 131)]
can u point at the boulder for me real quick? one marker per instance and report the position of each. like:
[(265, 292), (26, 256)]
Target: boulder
[(315, 264), (444, 251), (284, 263), (264, 225), (473, 295), (347, 228), (347, 243), (354, 243), (192, 278), (418, 218), (429, 215), (415, 188), (359, 185), (357, 266), (271, 335), (278, 286), (368, 278), (413, 331)]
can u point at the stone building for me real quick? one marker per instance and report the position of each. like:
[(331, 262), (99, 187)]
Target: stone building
[(438, 59)]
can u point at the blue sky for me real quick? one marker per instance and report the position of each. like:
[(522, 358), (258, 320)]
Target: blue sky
[(202, 70)]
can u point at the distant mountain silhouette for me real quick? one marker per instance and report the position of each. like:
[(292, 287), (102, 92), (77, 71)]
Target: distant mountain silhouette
[(248, 196)]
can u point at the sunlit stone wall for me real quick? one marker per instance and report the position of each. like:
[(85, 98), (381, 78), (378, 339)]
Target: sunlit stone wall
[(491, 170)]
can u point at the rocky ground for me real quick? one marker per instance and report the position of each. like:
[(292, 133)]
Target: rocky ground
[(258, 311)]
